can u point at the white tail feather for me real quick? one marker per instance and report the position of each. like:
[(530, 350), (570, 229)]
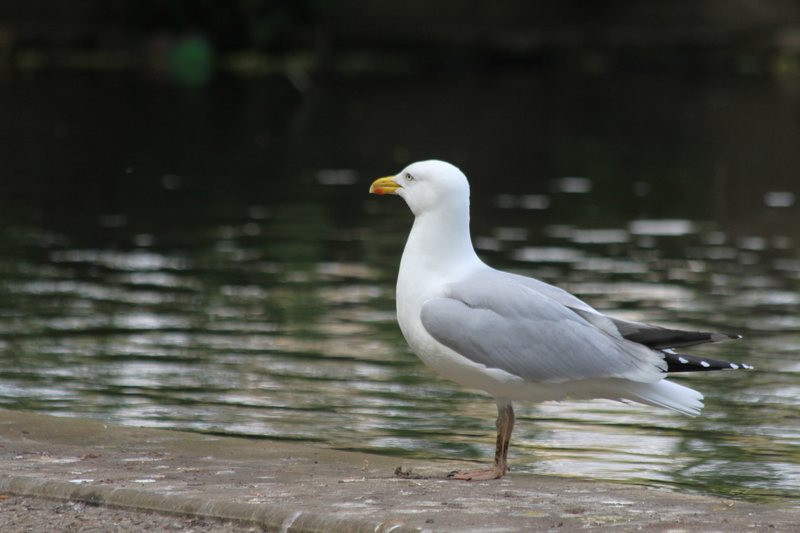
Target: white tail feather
[(664, 394)]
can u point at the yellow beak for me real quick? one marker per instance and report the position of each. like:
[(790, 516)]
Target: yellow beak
[(384, 186)]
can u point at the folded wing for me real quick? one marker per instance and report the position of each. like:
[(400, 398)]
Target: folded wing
[(544, 334), (496, 322)]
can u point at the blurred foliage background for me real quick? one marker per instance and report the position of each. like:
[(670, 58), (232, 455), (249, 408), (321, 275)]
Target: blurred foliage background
[(232, 24), (744, 35)]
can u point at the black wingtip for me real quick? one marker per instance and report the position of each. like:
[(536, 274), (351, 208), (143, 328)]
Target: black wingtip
[(718, 337), (662, 338), (677, 362)]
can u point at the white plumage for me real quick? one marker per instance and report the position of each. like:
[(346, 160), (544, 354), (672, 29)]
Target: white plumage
[(515, 337)]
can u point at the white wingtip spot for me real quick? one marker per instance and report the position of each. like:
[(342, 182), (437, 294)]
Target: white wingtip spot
[(705, 365), (747, 367), (734, 366), (682, 360)]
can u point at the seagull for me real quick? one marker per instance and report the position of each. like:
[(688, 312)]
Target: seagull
[(515, 337)]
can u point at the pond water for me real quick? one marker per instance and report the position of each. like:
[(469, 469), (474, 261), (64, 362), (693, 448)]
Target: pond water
[(210, 260)]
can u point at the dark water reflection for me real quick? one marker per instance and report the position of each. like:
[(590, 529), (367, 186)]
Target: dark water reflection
[(211, 260)]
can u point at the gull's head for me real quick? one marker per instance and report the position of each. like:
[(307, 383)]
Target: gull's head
[(427, 185)]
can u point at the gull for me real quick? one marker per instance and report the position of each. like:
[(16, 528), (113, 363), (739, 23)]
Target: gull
[(515, 337)]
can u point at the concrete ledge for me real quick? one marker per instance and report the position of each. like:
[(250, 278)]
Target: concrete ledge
[(290, 488), (270, 517)]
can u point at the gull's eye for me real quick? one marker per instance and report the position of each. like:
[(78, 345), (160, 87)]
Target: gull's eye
[(409, 177)]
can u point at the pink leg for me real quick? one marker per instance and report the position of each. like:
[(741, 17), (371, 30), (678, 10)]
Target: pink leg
[(505, 426)]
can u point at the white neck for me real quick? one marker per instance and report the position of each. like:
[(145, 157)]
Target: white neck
[(439, 242)]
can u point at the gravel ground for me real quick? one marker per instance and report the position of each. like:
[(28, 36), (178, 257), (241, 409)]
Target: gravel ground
[(24, 515)]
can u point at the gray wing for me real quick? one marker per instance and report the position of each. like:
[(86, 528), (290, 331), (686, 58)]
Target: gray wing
[(495, 320), (655, 337)]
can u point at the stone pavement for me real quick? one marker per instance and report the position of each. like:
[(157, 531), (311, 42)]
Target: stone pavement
[(277, 486)]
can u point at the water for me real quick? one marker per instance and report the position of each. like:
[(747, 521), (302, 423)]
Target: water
[(211, 261)]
